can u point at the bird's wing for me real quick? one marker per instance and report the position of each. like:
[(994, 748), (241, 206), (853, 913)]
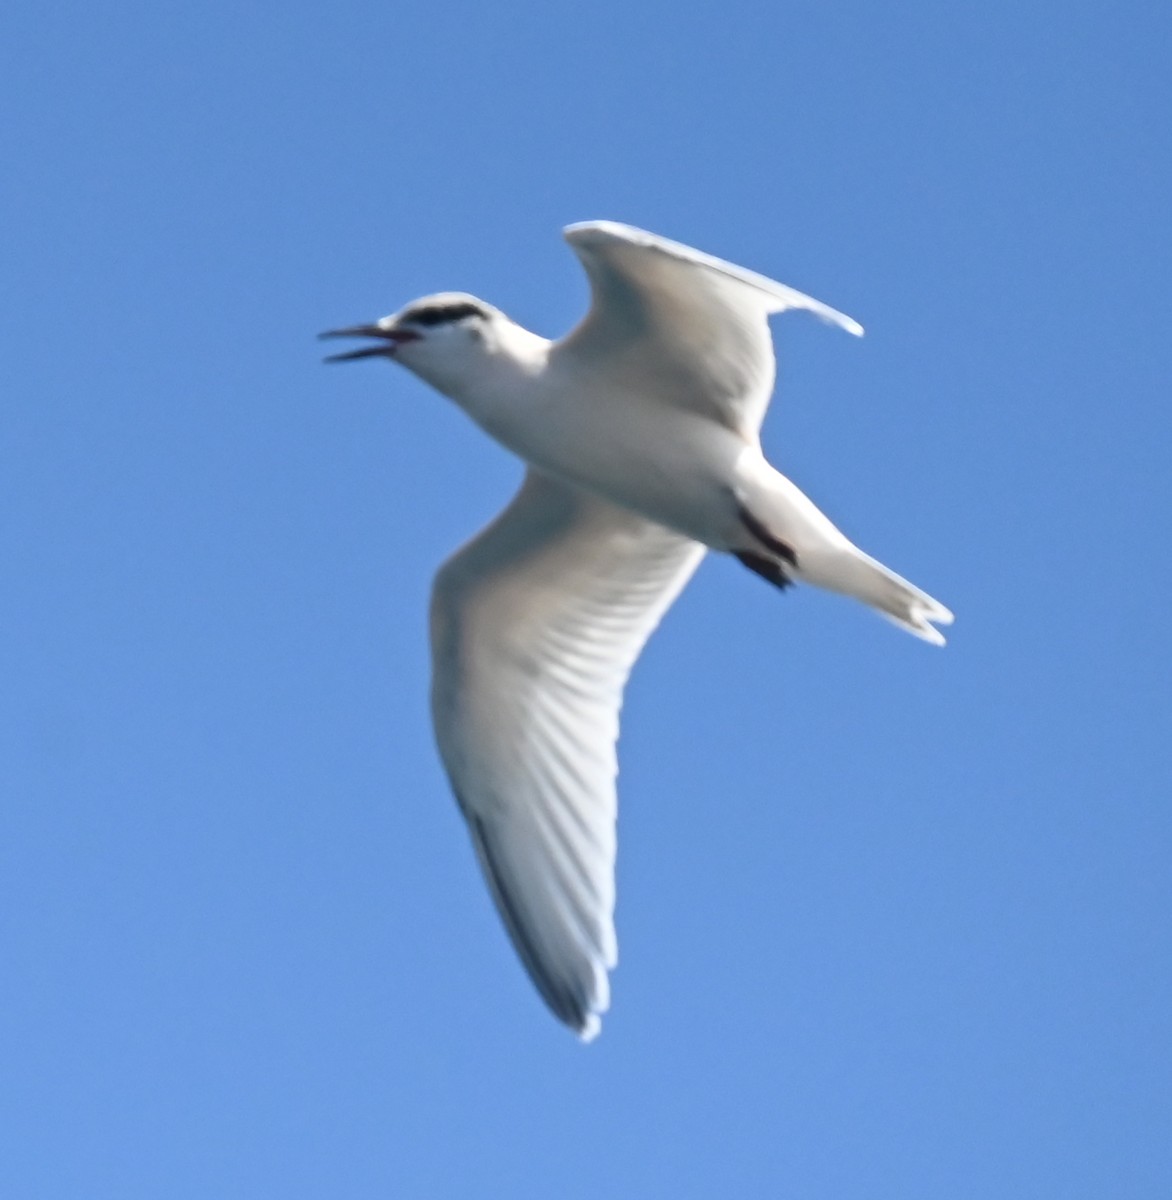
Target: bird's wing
[(680, 326), (535, 625)]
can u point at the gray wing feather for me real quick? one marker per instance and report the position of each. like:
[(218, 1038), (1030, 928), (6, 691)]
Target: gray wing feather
[(701, 322), (536, 624)]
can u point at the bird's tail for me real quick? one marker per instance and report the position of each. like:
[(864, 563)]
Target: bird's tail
[(803, 542), (857, 574)]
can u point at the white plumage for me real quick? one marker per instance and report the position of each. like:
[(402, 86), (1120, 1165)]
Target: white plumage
[(640, 429)]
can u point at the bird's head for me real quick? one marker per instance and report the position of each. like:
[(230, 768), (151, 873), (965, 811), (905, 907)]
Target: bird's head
[(447, 339)]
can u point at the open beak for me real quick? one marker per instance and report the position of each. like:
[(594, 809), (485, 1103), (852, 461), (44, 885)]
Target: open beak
[(389, 340)]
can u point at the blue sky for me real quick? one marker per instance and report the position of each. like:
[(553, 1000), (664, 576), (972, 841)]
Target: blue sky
[(894, 922)]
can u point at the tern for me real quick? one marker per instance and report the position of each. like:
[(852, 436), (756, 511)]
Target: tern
[(640, 432)]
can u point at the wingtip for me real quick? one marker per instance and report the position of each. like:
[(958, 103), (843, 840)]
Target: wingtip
[(590, 1028), (833, 317)]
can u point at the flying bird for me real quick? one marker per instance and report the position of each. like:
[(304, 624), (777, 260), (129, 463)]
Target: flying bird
[(640, 432)]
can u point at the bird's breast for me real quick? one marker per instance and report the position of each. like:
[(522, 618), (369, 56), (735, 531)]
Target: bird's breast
[(672, 466)]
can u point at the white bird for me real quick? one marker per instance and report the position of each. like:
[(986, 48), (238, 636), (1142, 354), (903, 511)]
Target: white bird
[(640, 432)]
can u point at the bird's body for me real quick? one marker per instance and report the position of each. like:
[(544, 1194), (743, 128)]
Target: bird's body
[(602, 438), (640, 429)]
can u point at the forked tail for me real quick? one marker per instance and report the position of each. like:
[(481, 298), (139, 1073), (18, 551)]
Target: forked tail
[(859, 575), (789, 537)]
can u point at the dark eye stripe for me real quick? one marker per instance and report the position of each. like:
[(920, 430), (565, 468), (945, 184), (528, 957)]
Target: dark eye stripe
[(441, 314)]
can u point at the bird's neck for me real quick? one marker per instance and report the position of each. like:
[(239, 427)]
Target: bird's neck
[(497, 383)]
